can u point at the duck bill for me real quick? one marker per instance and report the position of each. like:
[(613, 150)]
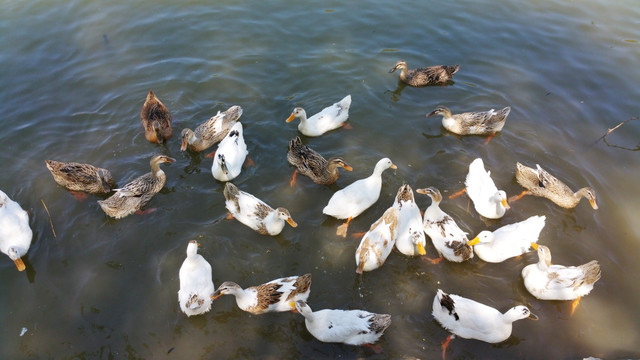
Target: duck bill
[(360, 268), (293, 306), (290, 118), (348, 167), (474, 241), (393, 166), (505, 204), (534, 246), (421, 249), (19, 264), (422, 191), (224, 168), (432, 113), (291, 222), (183, 145), (593, 204), (533, 316), (216, 294)]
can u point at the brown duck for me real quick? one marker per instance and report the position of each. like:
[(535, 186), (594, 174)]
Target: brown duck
[(310, 163), (81, 177), (156, 119), (431, 75)]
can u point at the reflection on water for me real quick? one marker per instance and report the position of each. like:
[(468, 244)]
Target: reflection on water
[(75, 77)]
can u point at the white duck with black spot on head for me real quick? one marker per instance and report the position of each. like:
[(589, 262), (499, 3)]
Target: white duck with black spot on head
[(231, 155)]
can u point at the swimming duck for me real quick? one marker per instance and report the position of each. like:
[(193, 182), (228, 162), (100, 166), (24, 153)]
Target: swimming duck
[(231, 154), (136, 194), (357, 197), (487, 199), (331, 117), (470, 319), (81, 177), (352, 327), (472, 123), (211, 131), (431, 75), (557, 282), (448, 239), (508, 241), (410, 239), (254, 212), (276, 295), (540, 183), (15, 233), (310, 163), (377, 243), (196, 285), (156, 119)]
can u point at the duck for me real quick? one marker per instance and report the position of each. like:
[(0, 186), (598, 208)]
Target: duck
[(447, 237), (15, 233), (487, 199), (377, 243), (137, 193), (352, 327), (196, 284), (231, 154), (275, 296), (470, 319), (431, 75), (472, 123), (548, 281), (508, 241), (410, 239), (254, 212), (357, 197), (156, 119), (330, 118), (310, 163), (211, 131), (539, 182), (81, 177)]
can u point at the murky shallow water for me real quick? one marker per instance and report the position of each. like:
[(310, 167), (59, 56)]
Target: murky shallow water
[(75, 75)]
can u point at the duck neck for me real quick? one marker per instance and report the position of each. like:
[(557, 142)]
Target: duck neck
[(155, 169)]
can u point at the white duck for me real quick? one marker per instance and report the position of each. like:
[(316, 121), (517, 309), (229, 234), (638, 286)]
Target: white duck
[(448, 239), (410, 240), (557, 282), (357, 197), (276, 295), (487, 199), (470, 319), (231, 154), (377, 243), (508, 241), (331, 117), (254, 212), (15, 233), (196, 284), (352, 327)]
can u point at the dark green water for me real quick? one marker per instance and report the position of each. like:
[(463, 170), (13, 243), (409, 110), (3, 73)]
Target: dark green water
[(74, 77)]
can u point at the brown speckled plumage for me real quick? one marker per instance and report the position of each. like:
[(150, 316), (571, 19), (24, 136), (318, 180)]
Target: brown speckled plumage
[(81, 177), (310, 163), (431, 75), (156, 119)]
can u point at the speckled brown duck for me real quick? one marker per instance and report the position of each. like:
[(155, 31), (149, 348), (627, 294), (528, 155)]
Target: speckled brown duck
[(310, 163), (156, 119), (431, 75), (81, 177)]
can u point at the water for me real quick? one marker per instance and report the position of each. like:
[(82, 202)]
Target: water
[(75, 75)]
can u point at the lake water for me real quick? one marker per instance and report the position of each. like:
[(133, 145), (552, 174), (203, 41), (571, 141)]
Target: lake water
[(75, 75)]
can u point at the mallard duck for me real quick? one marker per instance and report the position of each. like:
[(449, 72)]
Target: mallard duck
[(156, 119), (448, 239), (508, 241), (472, 123), (331, 117), (136, 194), (276, 295), (231, 154), (487, 199), (540, 183), (557, 282), (357, 197), (196, 285), (431, 75), (211, 131), (470, 319), (81, 177), (15, 233), (377, 243), (410, 239), (352, 327), (254, 212), (310, 163)]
